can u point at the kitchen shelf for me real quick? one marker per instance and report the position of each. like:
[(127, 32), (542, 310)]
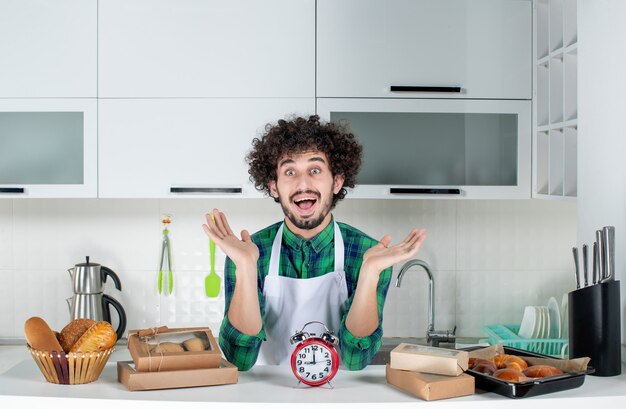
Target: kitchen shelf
[(555, 99)]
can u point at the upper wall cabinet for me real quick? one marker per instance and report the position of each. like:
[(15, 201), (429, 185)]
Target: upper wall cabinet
[(48, 48), (206, 48), (424, 49), (48, 147), (177, 147)]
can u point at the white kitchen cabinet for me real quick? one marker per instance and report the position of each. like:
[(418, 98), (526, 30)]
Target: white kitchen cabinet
[(555, 123), (438, 148), (163, 148), (482, 47), (48, 48), (48, 147), (206, 48)]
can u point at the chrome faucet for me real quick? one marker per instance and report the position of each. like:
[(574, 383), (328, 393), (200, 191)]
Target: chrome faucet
[(432, 337)]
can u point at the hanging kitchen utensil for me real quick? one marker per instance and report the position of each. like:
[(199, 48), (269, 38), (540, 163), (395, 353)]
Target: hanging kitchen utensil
[(212, 282), (166, 252)]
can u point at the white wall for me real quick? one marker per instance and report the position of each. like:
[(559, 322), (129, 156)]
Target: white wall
[(490, 258), (601, 132)]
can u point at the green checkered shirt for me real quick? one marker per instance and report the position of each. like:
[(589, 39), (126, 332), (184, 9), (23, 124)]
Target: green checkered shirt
[(300, 258)]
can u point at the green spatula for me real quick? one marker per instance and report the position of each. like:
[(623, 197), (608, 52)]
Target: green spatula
[(212, 282)]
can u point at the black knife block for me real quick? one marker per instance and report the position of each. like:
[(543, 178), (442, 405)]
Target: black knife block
[(594, 327)]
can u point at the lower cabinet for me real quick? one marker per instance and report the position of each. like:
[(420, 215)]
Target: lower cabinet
[(163, 148)]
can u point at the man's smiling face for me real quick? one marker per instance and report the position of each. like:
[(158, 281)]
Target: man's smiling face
[(305, 187)]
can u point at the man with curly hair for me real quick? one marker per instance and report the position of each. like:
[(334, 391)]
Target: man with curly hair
[(308, 267)]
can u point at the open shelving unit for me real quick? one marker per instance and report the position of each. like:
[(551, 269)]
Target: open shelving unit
[(555, 103)]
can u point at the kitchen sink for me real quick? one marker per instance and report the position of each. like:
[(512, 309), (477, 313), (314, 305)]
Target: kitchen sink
[(389, 343)]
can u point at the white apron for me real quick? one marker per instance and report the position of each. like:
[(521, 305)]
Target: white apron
[(292, 302)]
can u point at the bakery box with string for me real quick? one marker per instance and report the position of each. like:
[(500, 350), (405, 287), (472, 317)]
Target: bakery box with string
[(166, 358)]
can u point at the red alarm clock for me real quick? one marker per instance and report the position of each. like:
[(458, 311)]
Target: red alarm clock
[(315, 360)]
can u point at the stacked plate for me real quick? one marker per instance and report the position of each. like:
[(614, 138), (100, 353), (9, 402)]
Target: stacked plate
[(541, 321)]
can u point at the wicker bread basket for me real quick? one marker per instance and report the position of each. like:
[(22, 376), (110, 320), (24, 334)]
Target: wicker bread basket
[(73, 368)]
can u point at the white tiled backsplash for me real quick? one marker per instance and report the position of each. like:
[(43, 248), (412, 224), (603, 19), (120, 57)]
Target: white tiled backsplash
[(489, 258)]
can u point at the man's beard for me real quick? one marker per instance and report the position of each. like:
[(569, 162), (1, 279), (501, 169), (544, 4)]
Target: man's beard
[(308, 224)]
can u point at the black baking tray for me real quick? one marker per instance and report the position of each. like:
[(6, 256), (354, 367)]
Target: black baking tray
[(526, 389)]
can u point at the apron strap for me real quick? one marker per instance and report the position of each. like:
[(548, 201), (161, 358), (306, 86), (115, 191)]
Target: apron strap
[(339, 251), (275, 255)]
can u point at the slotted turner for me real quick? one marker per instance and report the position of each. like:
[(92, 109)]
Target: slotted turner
[(212, 282)]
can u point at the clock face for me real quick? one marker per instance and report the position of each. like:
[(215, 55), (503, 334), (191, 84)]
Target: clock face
[(315, 361)]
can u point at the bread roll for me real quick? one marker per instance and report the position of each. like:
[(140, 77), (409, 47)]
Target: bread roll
[(39, 335), (508, 374), (73, 331), (485, 366), (541, 371), (515, 362), (499, 360), (195, 344), (98, 337), (164, 347)]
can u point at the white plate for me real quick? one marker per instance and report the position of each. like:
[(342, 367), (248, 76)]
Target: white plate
[(543, 329), (538, 323), (527, 326), (546, 322), (555, 319)]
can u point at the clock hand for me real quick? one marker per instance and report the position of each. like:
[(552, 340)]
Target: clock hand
[(313, 357)]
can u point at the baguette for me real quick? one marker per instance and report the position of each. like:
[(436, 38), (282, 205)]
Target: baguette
[(39, 335)]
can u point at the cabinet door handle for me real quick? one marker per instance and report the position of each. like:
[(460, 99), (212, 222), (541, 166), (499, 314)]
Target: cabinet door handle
[(410, 88), (11, 190), (205, 190), (424, 191)]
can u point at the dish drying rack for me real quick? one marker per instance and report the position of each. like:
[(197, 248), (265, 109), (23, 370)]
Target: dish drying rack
[(507, 336)]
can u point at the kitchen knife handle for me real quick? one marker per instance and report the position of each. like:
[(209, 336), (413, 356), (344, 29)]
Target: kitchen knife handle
[(218, 190), (608, 233), (11, 190), (601, 255), (595, 267), (422, 88), (576, 264), (422, 191), (585, 263)]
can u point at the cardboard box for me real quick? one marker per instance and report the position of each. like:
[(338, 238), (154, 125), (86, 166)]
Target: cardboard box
[(438, 361), (429, 386), (142, 381), (142, 345)]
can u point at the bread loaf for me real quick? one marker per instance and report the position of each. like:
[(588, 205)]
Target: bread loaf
[(39, 335), (508, 374), (195, 344), (164, 347), (98, 337), (515, 362), (485, 366), (73, 331), (541, 371)]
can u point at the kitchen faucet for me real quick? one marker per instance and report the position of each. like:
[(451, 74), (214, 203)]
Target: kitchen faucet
[(432, 337)]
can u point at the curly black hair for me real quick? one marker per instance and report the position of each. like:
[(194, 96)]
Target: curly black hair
[(300, 135)]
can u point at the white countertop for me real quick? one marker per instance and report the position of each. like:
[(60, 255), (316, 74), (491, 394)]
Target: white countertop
[(21, 383)]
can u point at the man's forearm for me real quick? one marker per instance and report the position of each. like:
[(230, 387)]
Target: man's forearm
[(244, 312), (362, 319)]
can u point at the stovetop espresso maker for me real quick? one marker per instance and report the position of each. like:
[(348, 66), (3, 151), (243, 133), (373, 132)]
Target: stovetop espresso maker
[(89, 300)]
